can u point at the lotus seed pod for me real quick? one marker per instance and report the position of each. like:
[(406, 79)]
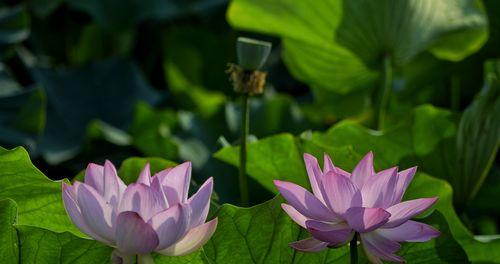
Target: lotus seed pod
[(252, 53)]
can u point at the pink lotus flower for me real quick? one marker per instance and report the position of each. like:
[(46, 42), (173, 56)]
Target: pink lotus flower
[(153, 214), (364, 202)]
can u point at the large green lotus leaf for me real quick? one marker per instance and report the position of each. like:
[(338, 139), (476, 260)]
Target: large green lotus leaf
[(337, 44), (38, 245), (38, 198), (122, 15), (14, 25), (9, 250), (106, 91), (43, 8)]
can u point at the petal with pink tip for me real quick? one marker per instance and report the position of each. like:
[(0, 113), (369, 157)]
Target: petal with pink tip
[(363, 171), (71, 206), (199, 204), (113, 185), (340, 193), (365, 220), (328, 166), (377, 247), (404, 179), (175, 182), (304, 202), (410, 231), (145, 175), (378, 190), (94, 176), (193, 240), (170, 225), (297, 217), (334, 234), (133, 235), (402, 212), (96, 213), (309, 245), (314, 173)]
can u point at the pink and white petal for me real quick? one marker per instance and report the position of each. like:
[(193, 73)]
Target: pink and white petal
[(340, 192), (145, 175), (314, 173), (133, 235), (365, 220), (334, 234), (363, 171), (170, 225), (141, 199), (194, 239), (158, 194), (113, 185), (175, 182), (377, 247), (94, 176), (98, 215), (74, 213), (304, 202), (308, 245), (402, 212), (378, 191), (199, 204), (404, 179), (410, 231), (297, 217), (328, 166)]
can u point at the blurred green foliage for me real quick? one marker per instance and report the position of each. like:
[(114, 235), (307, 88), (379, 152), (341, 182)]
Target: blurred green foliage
[(87, 80)]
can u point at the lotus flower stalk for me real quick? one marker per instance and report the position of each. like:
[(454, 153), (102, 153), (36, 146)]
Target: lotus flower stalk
[(154, 214), (363, 202)]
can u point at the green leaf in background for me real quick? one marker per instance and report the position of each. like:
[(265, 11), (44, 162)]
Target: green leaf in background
[(9, 250), (478, 137), (43, 8), (22, 118), (131, 12), (107, 91), (38, 198), (152, 131), (350, 37), (273, 158), (132, 167), (14, 25)]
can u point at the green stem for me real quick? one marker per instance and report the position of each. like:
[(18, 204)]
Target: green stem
[(245, 112), (386, 92), (354, 249)]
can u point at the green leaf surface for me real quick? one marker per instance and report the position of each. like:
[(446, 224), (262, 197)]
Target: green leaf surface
[(273, 158), (478, 137), (9, 251), (38, 198), (338, 45)]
